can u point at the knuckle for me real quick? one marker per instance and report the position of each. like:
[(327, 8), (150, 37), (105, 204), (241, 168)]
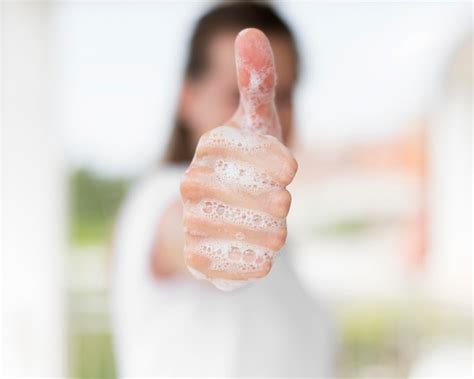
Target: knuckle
[(187, 188), (278, 239), (192, 186), (286, 168), (289, 171), (280, 203), (293, 166), (193, 260), (264, 272), (188, 255), (186, 222), (285, 201), (267, 267), (202, 144), (184, 187)]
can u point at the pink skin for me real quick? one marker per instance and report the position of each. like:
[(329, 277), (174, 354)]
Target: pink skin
[(256, 124), (256, 79)]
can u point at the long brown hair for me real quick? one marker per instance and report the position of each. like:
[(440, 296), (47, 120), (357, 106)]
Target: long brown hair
[(226, 17)]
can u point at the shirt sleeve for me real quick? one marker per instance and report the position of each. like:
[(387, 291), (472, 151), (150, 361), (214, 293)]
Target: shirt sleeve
[(135, 299)]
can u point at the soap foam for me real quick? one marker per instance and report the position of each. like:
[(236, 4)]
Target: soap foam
[(197, 274), (255, 94), (230, 285), (233, 255), (238, 173), (244, 176), (222, 284), (235, 138), (218, 211)]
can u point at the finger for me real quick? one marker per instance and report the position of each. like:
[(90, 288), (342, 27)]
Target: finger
[(276, 203), (203, 265), (280, 171), (196, 226), (256, 78), (202, 183), (264, 153), (226, 259)]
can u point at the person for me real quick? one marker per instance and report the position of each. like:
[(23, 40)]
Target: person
[(167, 323)]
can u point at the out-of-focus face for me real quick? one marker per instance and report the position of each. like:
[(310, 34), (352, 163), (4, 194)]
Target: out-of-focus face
[(212, 99)]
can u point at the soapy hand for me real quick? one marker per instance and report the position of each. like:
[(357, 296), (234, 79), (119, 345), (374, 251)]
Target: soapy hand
[(234, 192)]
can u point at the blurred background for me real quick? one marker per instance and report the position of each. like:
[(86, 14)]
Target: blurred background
[(381, 217)]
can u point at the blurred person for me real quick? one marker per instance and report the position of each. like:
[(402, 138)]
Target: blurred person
[(166, 322)]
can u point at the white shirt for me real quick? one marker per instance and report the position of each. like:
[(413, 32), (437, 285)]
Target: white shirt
[(180, 327)]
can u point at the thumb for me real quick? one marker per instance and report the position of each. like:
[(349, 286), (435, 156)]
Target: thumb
[(256, 78)]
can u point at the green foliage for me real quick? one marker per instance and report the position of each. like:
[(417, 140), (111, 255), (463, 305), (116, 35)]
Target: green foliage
[(94, 202), (392, 334), (344, 228), (350, 227), (91, 356), (371, 335)]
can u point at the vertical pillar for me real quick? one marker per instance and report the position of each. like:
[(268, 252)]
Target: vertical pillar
[(33, 199)]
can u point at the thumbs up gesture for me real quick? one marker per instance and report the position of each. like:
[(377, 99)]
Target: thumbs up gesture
[(234, 192)]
